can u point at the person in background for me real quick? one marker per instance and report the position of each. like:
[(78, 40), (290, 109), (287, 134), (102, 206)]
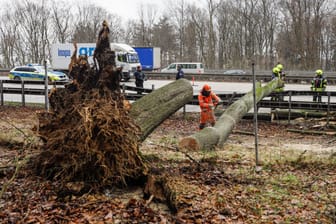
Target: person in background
[(119, 70), (140, 77), (180, 73), (207, 101), (281, 71), (318, 85), (277, 73)]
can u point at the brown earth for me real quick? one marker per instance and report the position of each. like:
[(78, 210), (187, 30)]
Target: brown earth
[(295, 182)]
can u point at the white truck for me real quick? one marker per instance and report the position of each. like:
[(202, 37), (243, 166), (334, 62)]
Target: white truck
[(126, 56)]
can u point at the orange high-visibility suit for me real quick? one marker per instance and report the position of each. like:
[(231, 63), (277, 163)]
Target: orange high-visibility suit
[(207, 101)]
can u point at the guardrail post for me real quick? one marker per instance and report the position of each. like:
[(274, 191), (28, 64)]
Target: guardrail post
[(123, 88), (23, 93), (289, 106), (46, 87), (1, 92), (328, 111)]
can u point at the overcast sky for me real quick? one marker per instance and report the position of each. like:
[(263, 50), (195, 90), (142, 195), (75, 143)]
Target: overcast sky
[(129, 9)]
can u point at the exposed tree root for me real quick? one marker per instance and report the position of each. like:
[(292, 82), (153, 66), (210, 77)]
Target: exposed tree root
[(88, 134)]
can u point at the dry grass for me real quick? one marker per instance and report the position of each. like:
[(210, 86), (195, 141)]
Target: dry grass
[(296, 183)]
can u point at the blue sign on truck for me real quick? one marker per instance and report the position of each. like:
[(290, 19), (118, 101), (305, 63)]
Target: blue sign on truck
[(150, 57)]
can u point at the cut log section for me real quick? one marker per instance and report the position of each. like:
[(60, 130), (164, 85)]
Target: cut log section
[(211, 137)]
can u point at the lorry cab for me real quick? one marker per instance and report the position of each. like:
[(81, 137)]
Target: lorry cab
[(126, 56), (128, 62), (187, 67)]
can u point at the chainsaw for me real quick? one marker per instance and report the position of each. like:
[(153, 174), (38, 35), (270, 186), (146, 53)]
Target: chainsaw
[(228, 103)]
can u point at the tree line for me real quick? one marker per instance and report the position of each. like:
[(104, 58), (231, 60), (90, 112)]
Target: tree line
[(223, 34)]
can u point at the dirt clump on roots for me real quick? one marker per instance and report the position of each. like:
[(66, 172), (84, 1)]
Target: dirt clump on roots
[(87, 134)]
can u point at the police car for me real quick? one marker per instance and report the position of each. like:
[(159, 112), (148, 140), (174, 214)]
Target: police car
[(35, 72)]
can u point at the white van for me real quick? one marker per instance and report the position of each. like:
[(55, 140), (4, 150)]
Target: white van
[(187, 67)]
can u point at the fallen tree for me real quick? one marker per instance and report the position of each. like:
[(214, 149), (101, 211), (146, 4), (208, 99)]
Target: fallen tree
[(151, 110), (92, 133), (216, 136)]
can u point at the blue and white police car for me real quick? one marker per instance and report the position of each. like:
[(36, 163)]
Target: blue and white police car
[(36, 72)]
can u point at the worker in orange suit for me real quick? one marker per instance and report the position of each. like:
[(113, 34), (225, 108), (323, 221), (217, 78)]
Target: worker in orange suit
[(207, 101)]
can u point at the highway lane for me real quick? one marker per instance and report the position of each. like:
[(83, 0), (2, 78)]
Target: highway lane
[(218, 87)]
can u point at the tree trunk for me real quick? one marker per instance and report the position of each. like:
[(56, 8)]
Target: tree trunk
[(151, 110), (216, 136)]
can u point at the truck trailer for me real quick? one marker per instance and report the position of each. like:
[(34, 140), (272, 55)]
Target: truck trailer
[(126, 56), (150, 57)]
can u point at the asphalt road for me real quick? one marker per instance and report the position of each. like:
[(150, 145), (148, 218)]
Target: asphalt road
[(217, 87)]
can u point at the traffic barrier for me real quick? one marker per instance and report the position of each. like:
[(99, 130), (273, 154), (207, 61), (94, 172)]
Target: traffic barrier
[(193, 81)]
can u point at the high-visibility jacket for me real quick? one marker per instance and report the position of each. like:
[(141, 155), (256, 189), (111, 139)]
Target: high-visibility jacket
[(319, 84), (205, 102), (279, 76)]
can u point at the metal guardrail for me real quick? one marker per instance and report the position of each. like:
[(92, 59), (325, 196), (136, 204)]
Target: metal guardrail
[(294, 77), (291, 76), (131, 93), (229, 98), (22, 89)]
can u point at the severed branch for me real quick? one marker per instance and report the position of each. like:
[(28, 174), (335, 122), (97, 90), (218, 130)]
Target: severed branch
[(149, 200), (176, 149), (18, 166)]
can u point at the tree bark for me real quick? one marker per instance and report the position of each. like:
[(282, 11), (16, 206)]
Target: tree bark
[(210, 137), (152, 109)]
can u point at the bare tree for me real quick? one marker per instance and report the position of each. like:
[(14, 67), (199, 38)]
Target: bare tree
[(177, 13), (32, 30), (8, 37), (305, 30), (89, 19), (329, 44), (164, 36), (220, 33), (62, 19), (232, 27), (327, 38), (197, 33), (129, 34), (144, 27), (211, 56), (265, 33)]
